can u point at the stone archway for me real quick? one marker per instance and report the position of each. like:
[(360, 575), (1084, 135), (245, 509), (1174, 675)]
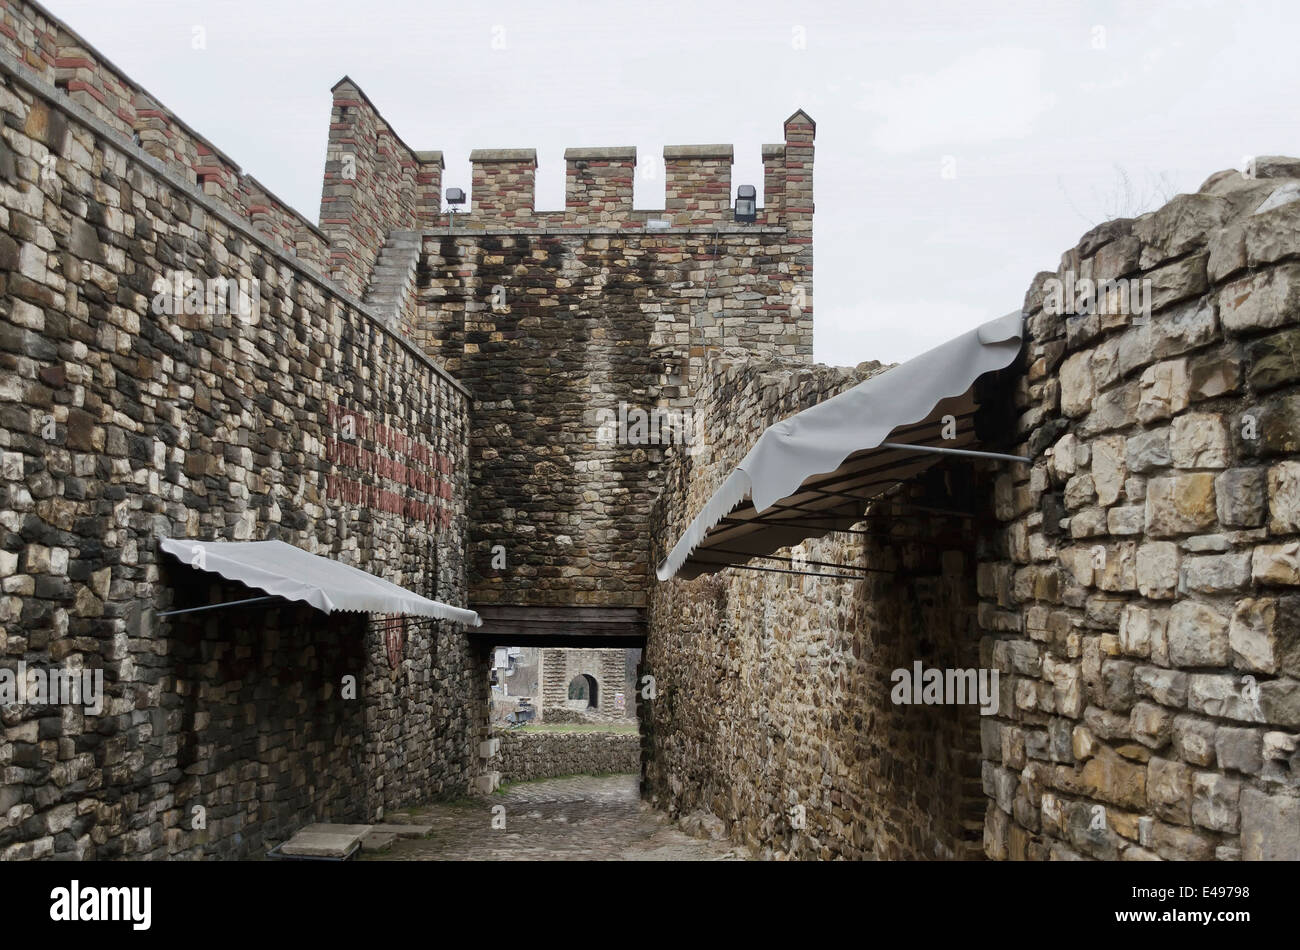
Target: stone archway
[(584, 692)]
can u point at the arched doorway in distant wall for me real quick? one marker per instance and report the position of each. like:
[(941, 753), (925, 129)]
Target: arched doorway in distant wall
[(582, 691)]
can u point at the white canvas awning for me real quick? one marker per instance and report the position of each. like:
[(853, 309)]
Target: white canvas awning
[(815, 471), (282, 570)]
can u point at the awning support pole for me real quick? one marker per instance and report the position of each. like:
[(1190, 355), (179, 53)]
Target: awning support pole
[(791, 560), (230, 603), (781, 570), (940, 450), (800, 523)]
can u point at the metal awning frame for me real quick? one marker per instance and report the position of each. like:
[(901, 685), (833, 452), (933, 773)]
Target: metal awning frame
[(373, 621), (805, 517)]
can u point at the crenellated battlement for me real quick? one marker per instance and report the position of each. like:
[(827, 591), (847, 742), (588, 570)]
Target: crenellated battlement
[(376, 184), (598, 184), (598, 189)]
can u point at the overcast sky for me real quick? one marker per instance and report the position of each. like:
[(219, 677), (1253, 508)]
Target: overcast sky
[(961, 147)]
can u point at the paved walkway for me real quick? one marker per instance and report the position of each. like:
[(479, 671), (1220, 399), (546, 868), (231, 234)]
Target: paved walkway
[(581, 818)]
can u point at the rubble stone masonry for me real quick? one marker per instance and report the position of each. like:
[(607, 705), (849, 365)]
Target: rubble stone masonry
[(772, 708), (525, 756), (1137, 588), (125, 418), (449, 401), (560, 320), (1144, 608)]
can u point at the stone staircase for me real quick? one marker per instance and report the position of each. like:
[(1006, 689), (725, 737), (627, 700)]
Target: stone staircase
[(394, 276)]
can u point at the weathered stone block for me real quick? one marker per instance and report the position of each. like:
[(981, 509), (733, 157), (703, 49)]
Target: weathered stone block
[(1180, 844), (1112, 409), (1198, 635), (1194, 740), (1181, 504), (1276, 564), (1135, 630), (1117, 692), (1270, 298), (1178, 281), (1079, 492), (1167, 687), (1180, 226), (1169, 786), (1239, 495), (1147, 451), (1128, 520), (1163, 391), (1108, 469), (1199, 440), (1215, 374), (1239, 749), (1217, 574), (1277, 426), (1274, 360), (1279, 702), (1109, 778), (1214, 801), (1151, 725), (1252, 634), (1284, 497), (1157, 569), (1270, 825), (1077, 388)]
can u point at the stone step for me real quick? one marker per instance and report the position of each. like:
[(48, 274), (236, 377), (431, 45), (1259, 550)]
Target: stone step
[(393, 275), (324, 840), (377, 841)]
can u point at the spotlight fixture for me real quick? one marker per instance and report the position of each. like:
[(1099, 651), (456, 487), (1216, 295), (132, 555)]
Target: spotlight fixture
[(746, 203), (455, 198)]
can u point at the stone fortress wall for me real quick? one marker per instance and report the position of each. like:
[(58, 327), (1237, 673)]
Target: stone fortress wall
[(426, 395), (1143, 604), (563, 322), (1135, 586), (128, 415)]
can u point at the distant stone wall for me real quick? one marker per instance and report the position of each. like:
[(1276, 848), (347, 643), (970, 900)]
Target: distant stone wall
[(1145, 606), (608, 668), (126, 418), (525, 756)]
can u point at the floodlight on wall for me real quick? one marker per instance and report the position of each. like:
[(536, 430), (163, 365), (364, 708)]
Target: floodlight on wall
[(455, 198), (746, 203)]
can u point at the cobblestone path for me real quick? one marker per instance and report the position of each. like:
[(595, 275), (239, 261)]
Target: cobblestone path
[(580, 818)]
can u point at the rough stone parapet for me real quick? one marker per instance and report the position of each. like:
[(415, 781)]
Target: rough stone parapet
[(525, 756)]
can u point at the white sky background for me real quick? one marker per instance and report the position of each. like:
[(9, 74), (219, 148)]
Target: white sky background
[(1016, 98)]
